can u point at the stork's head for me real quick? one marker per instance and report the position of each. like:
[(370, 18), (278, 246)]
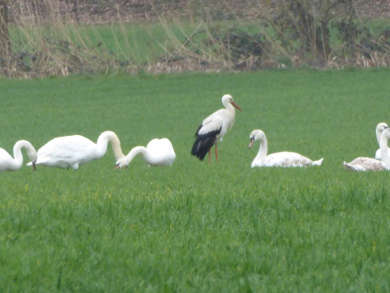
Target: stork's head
[(228, 99), (256, 134)]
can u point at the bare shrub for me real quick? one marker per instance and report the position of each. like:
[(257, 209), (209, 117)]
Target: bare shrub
[(5, 45), (53, 37)]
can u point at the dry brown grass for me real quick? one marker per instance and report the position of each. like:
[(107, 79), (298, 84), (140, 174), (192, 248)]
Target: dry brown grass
[(209, 38)]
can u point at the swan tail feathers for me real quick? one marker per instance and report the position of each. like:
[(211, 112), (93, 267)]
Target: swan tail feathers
[(349, 166), (318, 162), (204, 143)]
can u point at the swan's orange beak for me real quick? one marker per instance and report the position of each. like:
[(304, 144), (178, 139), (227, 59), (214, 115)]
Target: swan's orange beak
[(235, 106)]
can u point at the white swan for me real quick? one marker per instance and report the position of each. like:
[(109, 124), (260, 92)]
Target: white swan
[(74, 150), (158, 152), (280, 159), (378, 131), (8, 163), (371, 164)]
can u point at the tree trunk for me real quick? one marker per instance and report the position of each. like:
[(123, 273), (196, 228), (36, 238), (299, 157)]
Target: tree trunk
[(5, 45)]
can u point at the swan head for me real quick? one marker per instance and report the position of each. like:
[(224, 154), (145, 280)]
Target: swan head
[(381, 126), (256, 134), (122, 163), (32, 155), (386, 133), (228, 99)]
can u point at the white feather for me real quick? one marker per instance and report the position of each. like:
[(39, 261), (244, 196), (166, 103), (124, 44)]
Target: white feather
[(75, 150), (9, 163), (280, 159), (158, 152)]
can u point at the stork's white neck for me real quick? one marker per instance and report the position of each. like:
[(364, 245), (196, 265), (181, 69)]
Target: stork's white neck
[(228, 106)]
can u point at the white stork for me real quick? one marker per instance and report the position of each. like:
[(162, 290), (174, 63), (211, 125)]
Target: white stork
[(214, 127)]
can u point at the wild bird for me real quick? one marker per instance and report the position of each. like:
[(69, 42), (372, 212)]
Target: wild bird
[(158, 152), (378, 131), (280, 159), (371, 164), (8, 163), (75, 150), (214, 127)]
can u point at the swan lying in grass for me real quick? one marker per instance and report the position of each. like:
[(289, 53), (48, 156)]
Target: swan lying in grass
[(158, 152), (371, 164), (8, 163), (74, 150), (378, 131), (280, 159)]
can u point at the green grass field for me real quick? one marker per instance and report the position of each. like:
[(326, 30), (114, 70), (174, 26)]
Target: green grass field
[(198, 227)]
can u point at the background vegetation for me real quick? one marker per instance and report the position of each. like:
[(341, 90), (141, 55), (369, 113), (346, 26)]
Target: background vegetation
[(196, 226), (61, 37)]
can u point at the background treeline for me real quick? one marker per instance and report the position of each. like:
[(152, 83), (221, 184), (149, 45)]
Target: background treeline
[(60, 37)]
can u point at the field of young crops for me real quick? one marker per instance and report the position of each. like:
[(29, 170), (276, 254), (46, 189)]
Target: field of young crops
[(196, 226)]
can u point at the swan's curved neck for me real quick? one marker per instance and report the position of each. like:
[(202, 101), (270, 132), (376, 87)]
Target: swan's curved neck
[(263, 149), (17, 150), (385, 156), (134, 152), (378, 137), (102, 143)]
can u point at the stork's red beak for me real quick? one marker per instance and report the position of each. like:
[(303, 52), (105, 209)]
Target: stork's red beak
[(235, 106)]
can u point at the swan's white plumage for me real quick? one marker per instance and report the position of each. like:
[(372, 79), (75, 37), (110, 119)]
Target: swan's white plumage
[(158, 152), (365, 164), (9, 163), (378, 131), (286, 159), (371, 164), (280, 159), (75, 150)]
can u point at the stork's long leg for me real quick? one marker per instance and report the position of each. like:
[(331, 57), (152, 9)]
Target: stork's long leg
[(209, 156), (216, 152)]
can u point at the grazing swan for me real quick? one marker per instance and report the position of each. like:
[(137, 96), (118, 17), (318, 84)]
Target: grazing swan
[(158, 152), (280, 159), (371, 164), (74, 150), (8, 163), (378, 131), (214, 127)]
